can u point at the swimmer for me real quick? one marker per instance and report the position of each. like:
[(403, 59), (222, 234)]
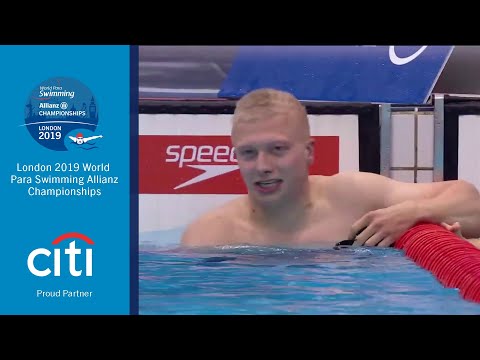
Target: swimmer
[(285, 206), (80, 140)]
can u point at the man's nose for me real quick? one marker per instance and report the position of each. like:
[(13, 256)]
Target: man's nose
[(264, 163)]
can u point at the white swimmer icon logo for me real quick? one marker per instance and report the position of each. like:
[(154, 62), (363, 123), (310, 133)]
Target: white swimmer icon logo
[(79, 139), (394, 58)]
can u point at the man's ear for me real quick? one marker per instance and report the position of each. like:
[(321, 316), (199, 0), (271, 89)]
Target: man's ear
[(309, 151)]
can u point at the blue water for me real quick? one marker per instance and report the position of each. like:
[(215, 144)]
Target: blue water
[(257, 280)]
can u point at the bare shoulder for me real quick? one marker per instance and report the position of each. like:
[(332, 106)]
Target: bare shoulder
[(357, 177), (372, 184), (212, 228), (364, 189), (348, 181)]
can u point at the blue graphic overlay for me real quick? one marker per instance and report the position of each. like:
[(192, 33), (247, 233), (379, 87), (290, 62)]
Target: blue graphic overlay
[(66, 180), (60, 111), (365, 74), (134, 197)]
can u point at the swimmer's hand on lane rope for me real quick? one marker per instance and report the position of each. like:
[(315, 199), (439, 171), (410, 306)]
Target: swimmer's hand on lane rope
[(347, 243), (455, 228), (382, 227)]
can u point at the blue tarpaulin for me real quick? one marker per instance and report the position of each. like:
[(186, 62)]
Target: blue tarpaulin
[(378, 74)]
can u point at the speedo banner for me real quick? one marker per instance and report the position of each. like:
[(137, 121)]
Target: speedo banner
[(186, 164)]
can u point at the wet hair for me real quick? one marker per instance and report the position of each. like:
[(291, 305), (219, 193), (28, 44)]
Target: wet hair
[(268, 102)]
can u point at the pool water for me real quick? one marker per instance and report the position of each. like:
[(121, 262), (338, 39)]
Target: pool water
[(257, 280)]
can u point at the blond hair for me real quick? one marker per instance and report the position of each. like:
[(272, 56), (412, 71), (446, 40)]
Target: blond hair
[(268, 102)]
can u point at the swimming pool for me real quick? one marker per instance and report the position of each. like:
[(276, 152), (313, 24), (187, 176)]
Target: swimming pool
[(259, 280)]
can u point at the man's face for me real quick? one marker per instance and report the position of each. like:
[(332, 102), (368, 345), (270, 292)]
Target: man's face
[(273, 154)]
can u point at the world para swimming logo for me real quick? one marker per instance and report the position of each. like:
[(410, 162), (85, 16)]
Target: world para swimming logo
[(61, 114)]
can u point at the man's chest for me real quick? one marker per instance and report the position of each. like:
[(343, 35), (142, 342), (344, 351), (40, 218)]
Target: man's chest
[(323, 231)]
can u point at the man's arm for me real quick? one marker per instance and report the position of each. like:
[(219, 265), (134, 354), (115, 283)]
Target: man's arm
[(405, 204), (446, 201)]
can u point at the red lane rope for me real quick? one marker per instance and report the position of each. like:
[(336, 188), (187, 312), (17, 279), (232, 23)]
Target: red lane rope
[(454, 261)]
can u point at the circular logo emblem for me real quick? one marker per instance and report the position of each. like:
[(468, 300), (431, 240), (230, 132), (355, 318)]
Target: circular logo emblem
[(62, 114)]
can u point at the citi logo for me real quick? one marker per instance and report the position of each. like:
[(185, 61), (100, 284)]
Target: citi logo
[(212, 156), (69, 255)]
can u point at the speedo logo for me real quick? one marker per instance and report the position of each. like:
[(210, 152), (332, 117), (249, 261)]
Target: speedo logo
[(194, 164), (190, 164), (212, 160)]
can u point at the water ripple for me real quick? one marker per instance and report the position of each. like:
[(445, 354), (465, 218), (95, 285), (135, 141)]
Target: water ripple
[(259, 280)]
